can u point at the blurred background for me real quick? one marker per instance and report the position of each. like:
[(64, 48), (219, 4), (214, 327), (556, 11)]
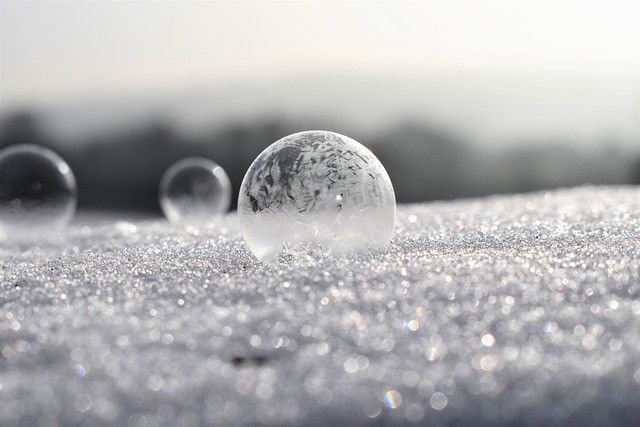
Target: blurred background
[(456, 98)]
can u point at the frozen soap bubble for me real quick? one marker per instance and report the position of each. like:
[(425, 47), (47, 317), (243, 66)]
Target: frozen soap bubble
[(193, 190), (316, 190), (37, 189)]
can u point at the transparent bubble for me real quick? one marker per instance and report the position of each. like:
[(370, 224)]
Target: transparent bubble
[(316, 192), (194, 190), (37, 189)]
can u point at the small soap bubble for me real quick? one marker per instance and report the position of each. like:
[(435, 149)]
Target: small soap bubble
[(37, 189), (193, 190), (316, 192)]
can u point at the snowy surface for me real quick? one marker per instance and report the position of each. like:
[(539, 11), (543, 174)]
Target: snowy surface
[(511, 310)]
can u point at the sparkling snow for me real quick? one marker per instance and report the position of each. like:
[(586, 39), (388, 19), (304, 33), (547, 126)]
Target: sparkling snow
[(510, 310)]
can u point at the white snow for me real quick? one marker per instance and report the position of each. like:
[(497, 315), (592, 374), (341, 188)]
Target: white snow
[(510, 310)]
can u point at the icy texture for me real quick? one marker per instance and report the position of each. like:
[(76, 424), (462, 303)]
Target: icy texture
[(37, 190), (194, 190), (512, 310), (313, 192)]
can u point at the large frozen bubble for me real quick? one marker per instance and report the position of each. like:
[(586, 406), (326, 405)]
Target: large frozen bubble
[(37, 190), (316, 191)]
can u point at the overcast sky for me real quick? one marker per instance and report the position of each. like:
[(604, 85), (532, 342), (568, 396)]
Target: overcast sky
[(53, 52)]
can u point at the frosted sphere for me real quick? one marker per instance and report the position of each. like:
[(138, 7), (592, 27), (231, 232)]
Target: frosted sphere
[(316, 190), (194, 190), (37, 189)]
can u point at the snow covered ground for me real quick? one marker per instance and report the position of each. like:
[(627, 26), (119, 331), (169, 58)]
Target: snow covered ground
[(510, 310)]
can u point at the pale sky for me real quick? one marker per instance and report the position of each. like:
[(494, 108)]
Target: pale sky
[(55, 51)]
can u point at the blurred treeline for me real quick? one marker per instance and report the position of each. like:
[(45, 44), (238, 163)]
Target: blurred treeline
[(121, 170)]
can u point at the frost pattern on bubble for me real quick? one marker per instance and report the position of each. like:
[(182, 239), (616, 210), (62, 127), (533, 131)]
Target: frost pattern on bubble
[(194, 190), (37, 189), (316, 190)]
